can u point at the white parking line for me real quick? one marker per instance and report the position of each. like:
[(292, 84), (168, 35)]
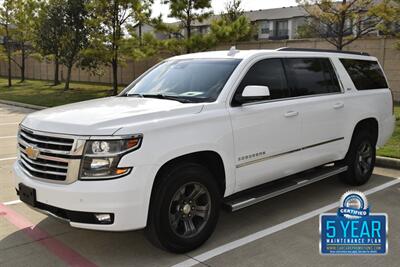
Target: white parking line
[(4, 159), (5, 137), (13, 202), (9, 123), (271, 230)]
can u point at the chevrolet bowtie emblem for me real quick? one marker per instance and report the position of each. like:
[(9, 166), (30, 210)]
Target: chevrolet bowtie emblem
[(32, 152)]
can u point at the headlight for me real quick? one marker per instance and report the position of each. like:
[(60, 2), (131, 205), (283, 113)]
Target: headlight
[(101, 157)]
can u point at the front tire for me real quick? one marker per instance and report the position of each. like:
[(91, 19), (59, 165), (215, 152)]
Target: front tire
[(360, 159), (184, 209)]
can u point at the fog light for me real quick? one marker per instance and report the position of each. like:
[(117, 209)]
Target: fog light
[(103, 217), (100, 164)]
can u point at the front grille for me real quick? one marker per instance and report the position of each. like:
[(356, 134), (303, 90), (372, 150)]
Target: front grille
[(53, 159), (47, 142)]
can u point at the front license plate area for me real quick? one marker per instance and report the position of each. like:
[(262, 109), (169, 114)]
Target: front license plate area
[(27, 195)]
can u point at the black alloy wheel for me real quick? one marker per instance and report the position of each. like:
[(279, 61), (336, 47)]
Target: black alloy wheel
[(189, 210), (184, 208)]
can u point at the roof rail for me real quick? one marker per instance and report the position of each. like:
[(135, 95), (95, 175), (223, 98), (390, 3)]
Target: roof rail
[(321, 50)]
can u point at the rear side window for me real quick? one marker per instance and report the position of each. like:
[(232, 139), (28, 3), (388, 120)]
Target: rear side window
[(311, 76), (365, 74), (268, 72)]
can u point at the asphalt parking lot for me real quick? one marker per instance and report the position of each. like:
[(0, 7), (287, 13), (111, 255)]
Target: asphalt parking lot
[(283, 231)]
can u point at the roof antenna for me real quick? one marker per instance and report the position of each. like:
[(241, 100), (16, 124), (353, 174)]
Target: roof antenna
[(233, 51)]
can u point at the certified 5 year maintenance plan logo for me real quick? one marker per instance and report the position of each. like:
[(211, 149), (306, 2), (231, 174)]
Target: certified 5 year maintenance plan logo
[(353, 229)]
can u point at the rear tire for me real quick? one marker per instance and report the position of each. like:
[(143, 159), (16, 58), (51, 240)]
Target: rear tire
[(360, 159), (184, 209)]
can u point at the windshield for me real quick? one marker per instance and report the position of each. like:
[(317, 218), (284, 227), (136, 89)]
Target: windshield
[(189, 80)]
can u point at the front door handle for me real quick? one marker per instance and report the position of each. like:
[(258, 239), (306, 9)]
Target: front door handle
[(338, 105), (291, 114)]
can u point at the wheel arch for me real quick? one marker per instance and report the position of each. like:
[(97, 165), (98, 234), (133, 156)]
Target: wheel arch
[(368, 124), (208, 158), (212, 158), (154, 231)]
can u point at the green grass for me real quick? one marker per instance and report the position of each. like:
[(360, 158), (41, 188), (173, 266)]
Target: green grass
[(392, 148), (43, 93)]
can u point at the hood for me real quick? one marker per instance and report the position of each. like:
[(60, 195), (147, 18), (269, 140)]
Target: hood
[(106, 115)]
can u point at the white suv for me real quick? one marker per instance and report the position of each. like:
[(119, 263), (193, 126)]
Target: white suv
[(198, 130)]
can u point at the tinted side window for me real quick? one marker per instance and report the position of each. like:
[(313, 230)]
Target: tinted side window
[(268, 72), (311, 76), (365, 74), (332, 80)]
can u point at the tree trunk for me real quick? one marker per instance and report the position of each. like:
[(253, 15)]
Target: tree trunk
[(188, 35), (8, 57), (9, 66), (189, 32), (140, 34), (67, 81), (116, 35), (23, 57), (115, 77), (56, 71), (339, 45)]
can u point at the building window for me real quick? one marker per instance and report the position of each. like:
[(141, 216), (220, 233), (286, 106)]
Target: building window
[(264, 27), (264, 30), (282, 28)]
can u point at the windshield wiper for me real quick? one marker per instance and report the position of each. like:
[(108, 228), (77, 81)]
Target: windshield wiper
[(168, 97), (134, 95)]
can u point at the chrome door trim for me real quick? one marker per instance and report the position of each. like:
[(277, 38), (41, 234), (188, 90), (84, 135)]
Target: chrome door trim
[(287, 152)]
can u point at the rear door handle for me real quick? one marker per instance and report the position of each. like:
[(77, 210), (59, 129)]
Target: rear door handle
[(338, 105), (291, 114)]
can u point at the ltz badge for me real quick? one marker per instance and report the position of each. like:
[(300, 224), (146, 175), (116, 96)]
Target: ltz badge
[(353, 229)]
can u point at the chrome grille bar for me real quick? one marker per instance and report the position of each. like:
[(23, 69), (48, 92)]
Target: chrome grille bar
[(48, 136), (45, 150), (29, 138), (43, 164), (29, 166), (46, 157)]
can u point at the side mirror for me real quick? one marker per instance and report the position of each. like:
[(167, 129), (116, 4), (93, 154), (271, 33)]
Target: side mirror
[(253, 93)]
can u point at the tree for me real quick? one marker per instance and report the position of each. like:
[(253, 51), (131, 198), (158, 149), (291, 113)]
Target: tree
[(396, 19), (233, 10), (340, 23), (232, 26), (24, 22), (304, 31), (389, 12), (75, 36), (232, 32), (6, 15), (49, 33), (140, 47), (142, 13), (187, 12), (109, 18)]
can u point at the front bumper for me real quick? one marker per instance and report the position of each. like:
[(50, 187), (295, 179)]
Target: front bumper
[(127, 198)]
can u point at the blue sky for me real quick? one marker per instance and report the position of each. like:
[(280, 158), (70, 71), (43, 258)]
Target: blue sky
[(218, 6)]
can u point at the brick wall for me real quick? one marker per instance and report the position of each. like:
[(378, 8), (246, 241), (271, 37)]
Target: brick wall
[(382, 48)]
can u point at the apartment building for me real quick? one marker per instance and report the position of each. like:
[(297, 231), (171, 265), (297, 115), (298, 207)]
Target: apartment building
[(272, 24)]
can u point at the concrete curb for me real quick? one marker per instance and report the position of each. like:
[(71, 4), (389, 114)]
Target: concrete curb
[(22, 105), (388, 162)]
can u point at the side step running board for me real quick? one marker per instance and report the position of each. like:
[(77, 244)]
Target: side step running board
[(269, 190)]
